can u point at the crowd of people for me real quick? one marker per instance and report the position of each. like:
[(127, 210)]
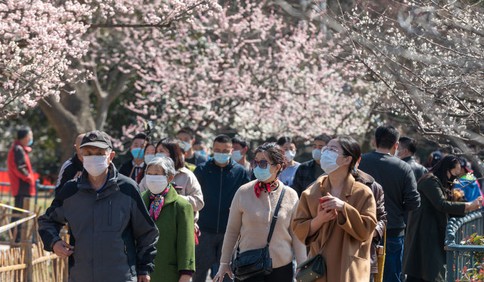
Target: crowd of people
[(174, 212)]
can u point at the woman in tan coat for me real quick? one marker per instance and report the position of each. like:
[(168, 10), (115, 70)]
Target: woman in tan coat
[(336, 216)]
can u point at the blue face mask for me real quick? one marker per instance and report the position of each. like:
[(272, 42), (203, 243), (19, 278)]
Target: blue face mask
[(137, 153), (262, 174), (202, 153), (221, 158), (31, 142)]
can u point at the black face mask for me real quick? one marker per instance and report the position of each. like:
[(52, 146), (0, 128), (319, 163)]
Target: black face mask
[(452, 177)]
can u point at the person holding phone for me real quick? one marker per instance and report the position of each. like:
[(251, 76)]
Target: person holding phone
[(336, 216)]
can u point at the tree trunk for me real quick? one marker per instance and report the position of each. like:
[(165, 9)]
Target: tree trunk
[(70, 116)]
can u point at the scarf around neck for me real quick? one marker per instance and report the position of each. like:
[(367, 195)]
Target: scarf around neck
[(267, 187), (157, 201)]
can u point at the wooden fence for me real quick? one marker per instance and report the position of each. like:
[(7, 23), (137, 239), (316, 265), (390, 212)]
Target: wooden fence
[(26, 261)]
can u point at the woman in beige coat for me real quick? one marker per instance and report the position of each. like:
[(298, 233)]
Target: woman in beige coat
[(336, 216)]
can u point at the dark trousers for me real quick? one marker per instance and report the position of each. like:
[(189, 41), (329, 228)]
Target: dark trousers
[(393, 260), (19, 203), (207, 253), (281, 274)]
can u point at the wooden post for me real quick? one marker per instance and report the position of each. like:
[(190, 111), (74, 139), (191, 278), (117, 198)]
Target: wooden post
[(27, 244)]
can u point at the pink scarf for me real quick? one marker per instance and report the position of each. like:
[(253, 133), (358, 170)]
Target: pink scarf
[(157, 202)]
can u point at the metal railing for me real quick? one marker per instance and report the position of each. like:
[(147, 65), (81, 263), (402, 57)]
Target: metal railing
[(42, 191), (460, 256)]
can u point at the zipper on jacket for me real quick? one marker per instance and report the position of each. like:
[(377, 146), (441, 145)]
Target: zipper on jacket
[(110, 213), (219, 198)]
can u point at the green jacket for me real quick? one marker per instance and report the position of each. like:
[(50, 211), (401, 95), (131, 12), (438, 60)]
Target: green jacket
[(176, 244), (424, 254)]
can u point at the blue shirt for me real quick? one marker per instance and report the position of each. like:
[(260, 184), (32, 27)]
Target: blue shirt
[(287, 175)]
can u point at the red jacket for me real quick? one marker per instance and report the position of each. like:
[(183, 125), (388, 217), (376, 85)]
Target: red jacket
[(20, 170)]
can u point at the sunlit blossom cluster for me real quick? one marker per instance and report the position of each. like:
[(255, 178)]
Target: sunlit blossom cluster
[(253, 72)]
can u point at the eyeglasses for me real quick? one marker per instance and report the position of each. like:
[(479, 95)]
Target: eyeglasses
[(262, 163)]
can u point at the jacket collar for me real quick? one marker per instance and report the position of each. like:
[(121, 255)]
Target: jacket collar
[(228, 166), (111, 184), (26, 148)]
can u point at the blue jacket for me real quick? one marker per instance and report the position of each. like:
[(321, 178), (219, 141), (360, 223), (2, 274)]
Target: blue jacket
[(218, 187)]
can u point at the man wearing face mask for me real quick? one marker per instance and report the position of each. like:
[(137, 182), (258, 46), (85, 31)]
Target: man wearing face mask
[(219, 177), (186, 136), (20, 173), (406, 151), (112, 235), (239, 154), (135, 166), (401, 195), (309, 171)]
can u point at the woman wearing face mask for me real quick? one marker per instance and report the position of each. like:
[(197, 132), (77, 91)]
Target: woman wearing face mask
[(251, 215), (289, 149), (186, 183), (173, 216), (424, 254), (336, 216)]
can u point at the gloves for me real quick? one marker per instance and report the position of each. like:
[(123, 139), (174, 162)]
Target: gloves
[(222, 270)]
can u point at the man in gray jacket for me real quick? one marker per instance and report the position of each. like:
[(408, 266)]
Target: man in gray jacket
[(112, 236)]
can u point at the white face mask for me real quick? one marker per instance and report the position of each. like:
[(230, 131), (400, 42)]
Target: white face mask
[(149, 158), (186, 146), (290, 155), (328, 161), (156, 183), (236, 155), (159, 155), (316, 154), (95, 165)]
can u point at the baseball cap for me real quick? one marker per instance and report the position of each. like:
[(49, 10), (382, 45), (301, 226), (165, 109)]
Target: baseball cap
[(98, 139)]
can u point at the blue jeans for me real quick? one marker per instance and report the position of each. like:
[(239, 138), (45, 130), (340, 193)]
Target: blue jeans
[(393, 260)]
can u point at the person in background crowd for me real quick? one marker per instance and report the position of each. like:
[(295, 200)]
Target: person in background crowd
[(150, 151), (135, 166), (187, 137), (113, 237), (336, 216), (173, 214), (467, 182), (398, 182), (381, 217), (219, 178), (185, 182), (239, 154), (20, 172), (407, 147), (309, 171), (148, 155), (425, 257), (72, 168), (200, 148), (251, 214), (289, 148)]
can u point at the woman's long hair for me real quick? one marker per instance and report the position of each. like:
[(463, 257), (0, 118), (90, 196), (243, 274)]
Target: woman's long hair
[(352, 149), (441, 168)]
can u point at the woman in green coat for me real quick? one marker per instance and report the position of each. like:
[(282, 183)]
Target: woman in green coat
[(173, 215), (424, 255)]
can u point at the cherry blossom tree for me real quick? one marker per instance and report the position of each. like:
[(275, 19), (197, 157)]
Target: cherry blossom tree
[(88, 52), (38, 43), (252, 70), (426, 58)]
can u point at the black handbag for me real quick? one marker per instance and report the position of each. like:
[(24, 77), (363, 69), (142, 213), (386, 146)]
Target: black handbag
[(258, 261), (312, 269)]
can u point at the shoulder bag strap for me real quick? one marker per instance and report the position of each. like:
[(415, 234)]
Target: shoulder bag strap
[(274, 217)]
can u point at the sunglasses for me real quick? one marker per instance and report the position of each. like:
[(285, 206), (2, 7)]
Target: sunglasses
[(262, 164)]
